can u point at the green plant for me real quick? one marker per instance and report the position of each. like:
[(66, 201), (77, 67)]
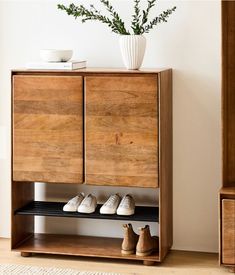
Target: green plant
[(139, 25)]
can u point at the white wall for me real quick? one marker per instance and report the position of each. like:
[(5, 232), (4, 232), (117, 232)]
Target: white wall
[(190, 44)]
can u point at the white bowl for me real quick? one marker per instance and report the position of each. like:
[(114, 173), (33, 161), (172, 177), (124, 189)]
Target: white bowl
[(51, 55)]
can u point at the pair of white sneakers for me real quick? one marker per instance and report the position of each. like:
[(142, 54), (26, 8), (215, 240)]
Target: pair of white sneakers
[(114, 204), (123, 207), (82, 204)]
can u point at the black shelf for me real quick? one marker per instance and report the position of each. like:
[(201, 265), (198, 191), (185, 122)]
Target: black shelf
[(55, 209)]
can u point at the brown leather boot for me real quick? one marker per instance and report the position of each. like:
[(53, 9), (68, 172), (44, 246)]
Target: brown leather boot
[(146, 244), (130, 240)]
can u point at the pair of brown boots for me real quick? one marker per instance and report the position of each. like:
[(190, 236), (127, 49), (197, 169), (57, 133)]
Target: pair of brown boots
[(143, 244)]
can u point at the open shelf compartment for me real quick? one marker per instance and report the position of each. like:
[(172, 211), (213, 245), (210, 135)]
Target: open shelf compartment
[(79, 246), (55, 209)]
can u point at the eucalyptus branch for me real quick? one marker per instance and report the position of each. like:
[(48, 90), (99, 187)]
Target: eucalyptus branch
[(139, 22), (151, 4), (92, 14), (159, 19), (135, 24), (117, 21)]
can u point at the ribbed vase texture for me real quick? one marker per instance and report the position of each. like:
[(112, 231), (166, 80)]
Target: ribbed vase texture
[(133, 50)]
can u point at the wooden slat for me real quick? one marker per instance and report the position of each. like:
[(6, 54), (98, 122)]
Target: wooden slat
[(47, 88), (165, 163), (119, 124), (48, 128), (22, 227), (228, 91), (47, 164), (228, 191), (91, 71), (120, 113), (58, 107), (45, 122), (128, 181), (54, 176), (79, 246), (47, 136), (228, 231), (48, 149)]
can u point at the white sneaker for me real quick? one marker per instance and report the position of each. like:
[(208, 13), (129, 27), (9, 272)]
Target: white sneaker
[(110, 206), (88, 205), (127, 206), (72, 205)]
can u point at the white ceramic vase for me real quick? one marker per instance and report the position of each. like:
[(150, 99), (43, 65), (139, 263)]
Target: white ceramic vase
[(133, 50)]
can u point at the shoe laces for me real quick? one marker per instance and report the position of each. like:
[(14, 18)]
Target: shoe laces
[(88, 200), (112, 199), (73, 200), (127, 201)]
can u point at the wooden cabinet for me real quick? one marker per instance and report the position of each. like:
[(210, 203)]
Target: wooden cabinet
[(228, 231), (48, 128), (91, 126), (121, 137)]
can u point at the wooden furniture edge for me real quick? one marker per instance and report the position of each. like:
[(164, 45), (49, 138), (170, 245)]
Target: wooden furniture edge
[(165, 164), (22, 193), (92, 70), (224, 86), (227, 190), (36, 244), (227, 87), (224, 193)]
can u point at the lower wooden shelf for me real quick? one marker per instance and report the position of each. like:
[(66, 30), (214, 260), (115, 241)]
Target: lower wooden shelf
[(78, 246)]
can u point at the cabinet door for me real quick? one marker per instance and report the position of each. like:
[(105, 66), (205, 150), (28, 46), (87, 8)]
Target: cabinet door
[(121, 133), (228, 231), (48, 129)]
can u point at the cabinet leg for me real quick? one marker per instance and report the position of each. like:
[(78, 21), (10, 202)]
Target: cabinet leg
[(26, 254), (148, 262), (232, 269)]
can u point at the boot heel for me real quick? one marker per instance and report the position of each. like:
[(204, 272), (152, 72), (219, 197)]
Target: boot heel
[(144, 254), (128, 252)]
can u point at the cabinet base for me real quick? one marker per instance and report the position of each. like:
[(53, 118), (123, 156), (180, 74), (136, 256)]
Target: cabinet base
[(26, 254), (148, 263), (231, 269), (79, 246)]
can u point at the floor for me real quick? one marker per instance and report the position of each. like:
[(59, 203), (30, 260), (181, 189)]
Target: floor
[(177, 263)]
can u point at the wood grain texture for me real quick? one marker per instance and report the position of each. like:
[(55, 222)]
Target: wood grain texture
[(177, 263), (121, 131), (48, 128), (228, 132), (165, 163), (79, 246), (228, 94), (21, 227), (227, 191), (124, 113), (91, 71), (228, 231)]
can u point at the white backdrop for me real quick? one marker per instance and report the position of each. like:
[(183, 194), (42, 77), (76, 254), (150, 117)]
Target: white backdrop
[(190, 44)]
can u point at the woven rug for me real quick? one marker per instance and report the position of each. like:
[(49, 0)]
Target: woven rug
[(6, 269)]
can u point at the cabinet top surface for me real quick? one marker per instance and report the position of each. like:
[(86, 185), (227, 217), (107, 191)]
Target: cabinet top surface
[(227, 190), (93, 70)]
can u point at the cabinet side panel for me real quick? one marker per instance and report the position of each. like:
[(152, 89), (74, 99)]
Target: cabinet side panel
[(22, 227), (48, 128), (165, 162), (228, 231), (228, 91), (121, 131)]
